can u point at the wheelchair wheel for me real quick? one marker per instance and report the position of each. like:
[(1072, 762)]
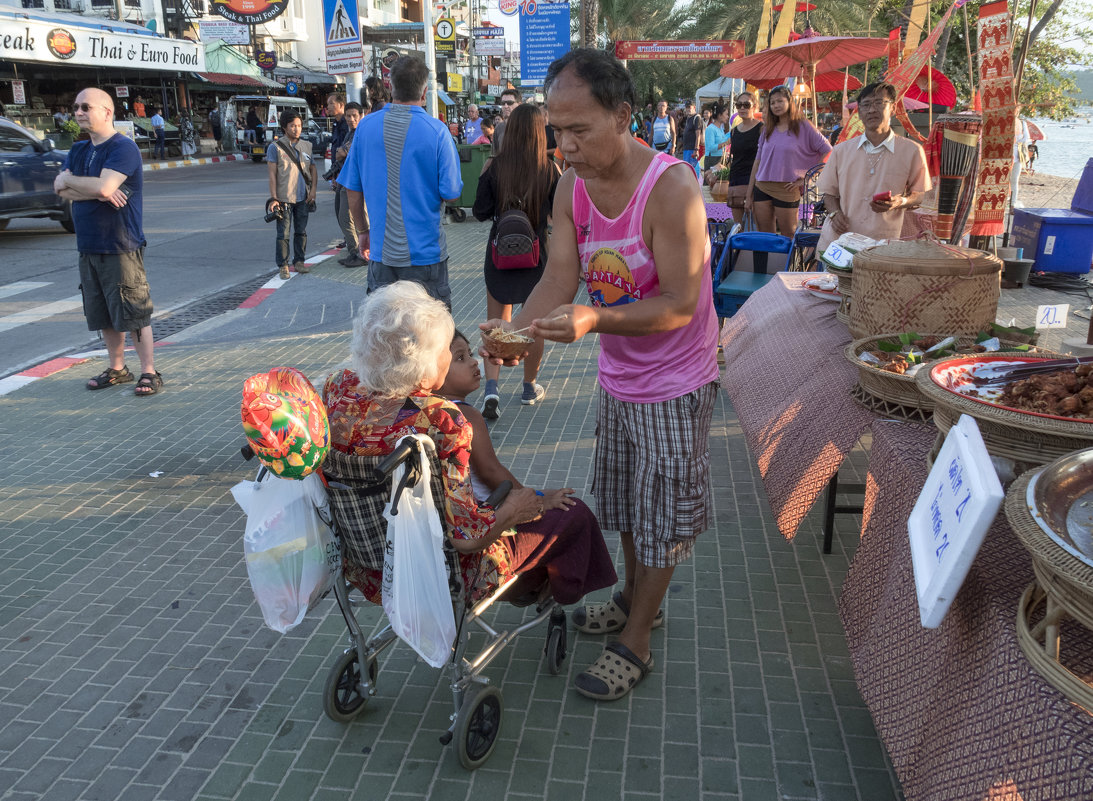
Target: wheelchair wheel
[(342, 700), (555, 650), (458, 213), (477, 726)]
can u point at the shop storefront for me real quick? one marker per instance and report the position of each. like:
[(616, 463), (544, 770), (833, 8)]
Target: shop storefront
[(46, 60)]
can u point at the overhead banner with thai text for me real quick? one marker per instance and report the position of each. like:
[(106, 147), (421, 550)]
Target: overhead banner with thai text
[(694, 50), (30, 40)]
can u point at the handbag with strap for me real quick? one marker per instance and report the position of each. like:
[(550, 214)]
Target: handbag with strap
[(291, 153)]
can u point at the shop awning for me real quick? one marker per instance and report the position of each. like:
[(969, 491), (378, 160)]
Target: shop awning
[(447, 101), (301, 75), (236, 81), (78, 21)]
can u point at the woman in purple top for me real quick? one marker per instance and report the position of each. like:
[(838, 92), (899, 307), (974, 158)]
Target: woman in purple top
[(788, 147)]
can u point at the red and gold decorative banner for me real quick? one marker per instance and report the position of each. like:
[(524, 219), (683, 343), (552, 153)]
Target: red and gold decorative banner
[(893, 49), (999, 115), (693, 50), (904, 75)]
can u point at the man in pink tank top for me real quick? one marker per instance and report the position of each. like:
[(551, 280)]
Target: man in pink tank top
[(630, 224)]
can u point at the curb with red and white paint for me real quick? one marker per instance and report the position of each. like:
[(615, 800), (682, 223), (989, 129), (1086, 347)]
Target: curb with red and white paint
[(173, 163), (54, 366)]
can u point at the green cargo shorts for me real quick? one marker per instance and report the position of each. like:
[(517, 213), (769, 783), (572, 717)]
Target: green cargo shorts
[(115, 291)]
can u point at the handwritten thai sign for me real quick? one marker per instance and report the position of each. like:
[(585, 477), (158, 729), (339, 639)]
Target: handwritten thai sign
[(957, 504)]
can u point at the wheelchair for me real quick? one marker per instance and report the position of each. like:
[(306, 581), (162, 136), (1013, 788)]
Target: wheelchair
[(359, 488)]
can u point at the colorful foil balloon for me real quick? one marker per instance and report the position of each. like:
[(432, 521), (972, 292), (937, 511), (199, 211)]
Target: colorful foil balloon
[(285, 422)]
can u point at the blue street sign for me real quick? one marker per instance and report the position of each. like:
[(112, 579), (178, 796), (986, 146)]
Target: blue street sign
[(291, 88)]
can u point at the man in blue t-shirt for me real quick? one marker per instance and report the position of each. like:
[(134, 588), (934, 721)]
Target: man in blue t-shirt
[(472, 128), (404, 164), (159, 128), (104, 180)]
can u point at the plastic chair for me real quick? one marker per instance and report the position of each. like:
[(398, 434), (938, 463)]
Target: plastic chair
[(736, 280)]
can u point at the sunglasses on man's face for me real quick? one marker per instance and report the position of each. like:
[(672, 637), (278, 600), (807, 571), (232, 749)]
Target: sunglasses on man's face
[(85, 107), (743, 105), (508, 102)]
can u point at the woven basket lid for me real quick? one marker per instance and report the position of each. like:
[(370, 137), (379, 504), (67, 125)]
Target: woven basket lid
[(926, 253)]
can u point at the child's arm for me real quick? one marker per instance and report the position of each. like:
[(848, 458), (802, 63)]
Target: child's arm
[(484, 459)]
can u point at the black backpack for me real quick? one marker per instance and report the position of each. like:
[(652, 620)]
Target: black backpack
[(515, 244)]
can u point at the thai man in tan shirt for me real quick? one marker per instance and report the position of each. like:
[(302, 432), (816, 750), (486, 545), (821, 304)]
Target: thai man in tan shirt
[(861, 169)]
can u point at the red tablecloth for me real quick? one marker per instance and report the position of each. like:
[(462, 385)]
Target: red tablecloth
[(790, 386), (961, 711)]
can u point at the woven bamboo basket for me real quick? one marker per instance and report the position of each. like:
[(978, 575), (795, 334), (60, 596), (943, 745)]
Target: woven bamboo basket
[(1063, 587), (923, 286), (1028, 440), (902, 389), (842, 314)]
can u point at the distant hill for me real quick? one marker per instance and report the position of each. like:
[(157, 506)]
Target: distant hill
[(1084, 79)]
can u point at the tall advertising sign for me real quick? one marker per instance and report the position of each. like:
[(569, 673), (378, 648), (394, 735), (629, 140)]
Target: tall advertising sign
[(344, 50), (544, 36), (249, 12)]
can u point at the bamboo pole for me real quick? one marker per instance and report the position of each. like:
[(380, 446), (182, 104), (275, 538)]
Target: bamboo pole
[(971, 65)]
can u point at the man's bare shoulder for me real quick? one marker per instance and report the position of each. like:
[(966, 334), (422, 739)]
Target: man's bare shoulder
[(674, 192), (563, 195)]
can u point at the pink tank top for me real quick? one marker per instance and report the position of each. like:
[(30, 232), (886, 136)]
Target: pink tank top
[(618, 268)]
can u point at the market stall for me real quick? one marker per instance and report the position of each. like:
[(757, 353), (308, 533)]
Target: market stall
[(960, 708)]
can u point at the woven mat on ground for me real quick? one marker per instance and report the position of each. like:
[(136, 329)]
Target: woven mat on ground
[(790, 384), (962, 713)]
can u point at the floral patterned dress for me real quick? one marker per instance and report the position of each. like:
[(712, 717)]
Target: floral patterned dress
[(366, 425)]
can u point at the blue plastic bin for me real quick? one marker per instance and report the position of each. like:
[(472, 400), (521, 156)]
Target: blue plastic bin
[(1059, 240)]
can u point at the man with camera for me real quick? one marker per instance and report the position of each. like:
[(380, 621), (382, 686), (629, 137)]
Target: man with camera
[(339, 148), (293, 180)]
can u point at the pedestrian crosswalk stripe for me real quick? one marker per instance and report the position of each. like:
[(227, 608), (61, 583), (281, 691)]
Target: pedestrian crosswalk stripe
[(37, 313), (21, 286)]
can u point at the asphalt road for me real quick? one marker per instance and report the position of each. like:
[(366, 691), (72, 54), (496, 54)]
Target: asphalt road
[(205, 234)]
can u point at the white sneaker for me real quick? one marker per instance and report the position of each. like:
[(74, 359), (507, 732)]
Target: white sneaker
[(489, 407)]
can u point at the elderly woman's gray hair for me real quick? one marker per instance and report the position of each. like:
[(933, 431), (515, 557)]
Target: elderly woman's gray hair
[(398, 338)]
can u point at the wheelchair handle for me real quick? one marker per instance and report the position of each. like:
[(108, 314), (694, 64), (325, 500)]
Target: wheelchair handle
[(392, 460), (497, 497)]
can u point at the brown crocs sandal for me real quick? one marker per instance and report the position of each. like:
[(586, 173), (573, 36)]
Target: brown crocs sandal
[(607, 618), (110, 377), (613, 675)]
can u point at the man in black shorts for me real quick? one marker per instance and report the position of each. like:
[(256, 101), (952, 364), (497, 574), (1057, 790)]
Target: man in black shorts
[(103, 178)]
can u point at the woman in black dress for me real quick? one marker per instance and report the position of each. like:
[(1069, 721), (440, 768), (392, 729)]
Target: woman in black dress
[(520, 177), (743, 144)]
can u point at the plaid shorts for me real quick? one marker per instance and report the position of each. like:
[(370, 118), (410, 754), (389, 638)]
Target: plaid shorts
[(651, 474)]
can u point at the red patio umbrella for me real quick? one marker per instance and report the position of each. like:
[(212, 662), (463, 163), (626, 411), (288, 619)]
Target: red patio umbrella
[(1034, 132), (944, 93), (828, 82), (809, 56)]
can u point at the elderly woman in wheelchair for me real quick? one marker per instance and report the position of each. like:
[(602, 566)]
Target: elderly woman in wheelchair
[(522, 550)]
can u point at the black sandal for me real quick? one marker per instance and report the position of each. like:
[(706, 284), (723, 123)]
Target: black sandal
[(148, 384), (109, 377)]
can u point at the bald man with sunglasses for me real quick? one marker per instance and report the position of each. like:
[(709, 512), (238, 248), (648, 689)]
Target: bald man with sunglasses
[(103, 177)]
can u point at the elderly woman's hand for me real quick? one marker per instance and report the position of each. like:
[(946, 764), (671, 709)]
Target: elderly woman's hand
[(520, 506)]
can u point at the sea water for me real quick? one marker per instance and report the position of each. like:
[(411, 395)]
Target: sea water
[(1069, 144)]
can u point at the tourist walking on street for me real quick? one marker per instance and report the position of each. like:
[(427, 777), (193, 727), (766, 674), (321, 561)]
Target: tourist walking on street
[(404, 166), (869, 165), (630, 223), (789, 147), (743, 145), (472, 127), (663, 130), (353, 257), (522, 177), (694, 130), (293, 181), (160, 130), (104, 179), (510, 99)]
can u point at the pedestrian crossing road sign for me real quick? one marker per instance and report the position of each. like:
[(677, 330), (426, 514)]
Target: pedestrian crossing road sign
[(341, 24)]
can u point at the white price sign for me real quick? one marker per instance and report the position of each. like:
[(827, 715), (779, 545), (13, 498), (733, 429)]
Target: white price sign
[(957, 505), (1052, 316)]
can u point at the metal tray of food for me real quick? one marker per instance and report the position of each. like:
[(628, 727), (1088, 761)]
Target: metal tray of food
[(1060, 498)]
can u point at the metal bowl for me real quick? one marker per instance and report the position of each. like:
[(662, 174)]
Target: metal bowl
[(1060, 498)]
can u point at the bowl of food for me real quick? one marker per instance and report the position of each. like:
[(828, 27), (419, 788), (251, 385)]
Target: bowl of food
[(506, 344)]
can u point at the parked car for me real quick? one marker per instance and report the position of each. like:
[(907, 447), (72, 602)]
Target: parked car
[(28, 167)]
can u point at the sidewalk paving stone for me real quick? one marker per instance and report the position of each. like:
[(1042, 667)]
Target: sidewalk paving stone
[(135, 664)]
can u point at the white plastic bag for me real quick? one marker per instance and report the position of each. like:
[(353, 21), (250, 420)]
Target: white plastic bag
[(416, 597), (293, 557)]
